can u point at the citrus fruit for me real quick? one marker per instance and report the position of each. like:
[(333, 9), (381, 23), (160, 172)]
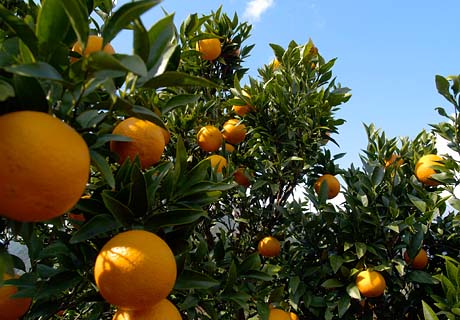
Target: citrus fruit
[(394, 159), (93, 44), (278, 314), (233, 131), (424, 169), (163, 310), (229, 148), (241, 178), (210, 49), (269, 247), (420, 261), (241, 110), (12, 308), (148, 141), (333, 185), (135, 269), (275, 64), (44, 166), (293, 316), (370, 283), (209, 138), (218, 162), (166, 134)]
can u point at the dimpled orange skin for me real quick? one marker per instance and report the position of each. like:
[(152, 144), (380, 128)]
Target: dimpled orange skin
[(333, 185), (218, 162), (234, 132), (135, 269), (370, 283), (269, 247), (424, 170), (148, 141), (44, 166), (12, 308), (209, 138), (210, 49), (163, 310), (94, 44), (278, 314)]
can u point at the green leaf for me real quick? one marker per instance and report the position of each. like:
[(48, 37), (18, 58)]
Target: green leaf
[(36, 70), (103, 166), (336, 262), (417, 202), (128, 63), (377, 175), (20, 28), (252, 262), (332, 283), (178, 79), (428, 313), (45, 271), (421, 277), (55, 249), (77, 13), (51, 17), (189, 279), (442, 84), (179, 101), (343, 305), (361, 249), (141, 45), (175, 217), (353, 291), (91, 118), (160, 36), (96, 226), (257, 275), (138, 201), (120, 211), (123, 17), (6, 90)]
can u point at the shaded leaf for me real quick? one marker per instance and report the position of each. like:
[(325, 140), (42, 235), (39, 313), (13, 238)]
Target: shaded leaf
[(96, 226)]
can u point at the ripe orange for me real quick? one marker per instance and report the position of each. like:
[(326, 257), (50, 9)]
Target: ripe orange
[(278, 314), (293, 316), (234, 132), (424, 169), (370, 283), (275, 64), (242, 110), (12, 308), (163, 310), (135, 269), (166, 135), (148, 141), (210, 49), (209, 138), (420, 261), (394, 158), (269, 247), (44, 166), (333, 185), (218, 162), (229, 148), (241, 178), (94, 44)]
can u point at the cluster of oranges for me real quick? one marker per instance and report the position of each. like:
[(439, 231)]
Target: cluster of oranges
[(120, 271)]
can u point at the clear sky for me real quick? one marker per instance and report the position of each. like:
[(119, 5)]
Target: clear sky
[(388, 54)]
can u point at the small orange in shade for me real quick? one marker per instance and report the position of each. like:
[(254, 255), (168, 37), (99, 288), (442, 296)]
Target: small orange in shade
[(163, 310), (229, 148), (77, 217), (370, 283), (210, 49), (420, 261), (269, 247), (94, 44), (241, 178), (209, 138), (293, 316), (148, 141), (333, 185), (424, 169), (278, 314), (394, 159), (234, 132), (135, 269), (241, 110), (12, 308), (218, 162)]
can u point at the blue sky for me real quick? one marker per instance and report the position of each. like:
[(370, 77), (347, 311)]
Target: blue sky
[(388, 54)]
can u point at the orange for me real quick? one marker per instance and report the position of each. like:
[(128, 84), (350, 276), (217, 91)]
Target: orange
[(210, 49), (394, 158), (12, 308), (77, 217), (241, 178), (370, 283), (275, 64), (135, 269), (242, 110), (93, 44), (44, 166), (218, 162), (293, 316), (209, 138), (163, 310), (420, 261), (424, 169), (148, 141), (166, 134), (278, 314), (229, 148), (234, 132), (333, 185), (269, 247)]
